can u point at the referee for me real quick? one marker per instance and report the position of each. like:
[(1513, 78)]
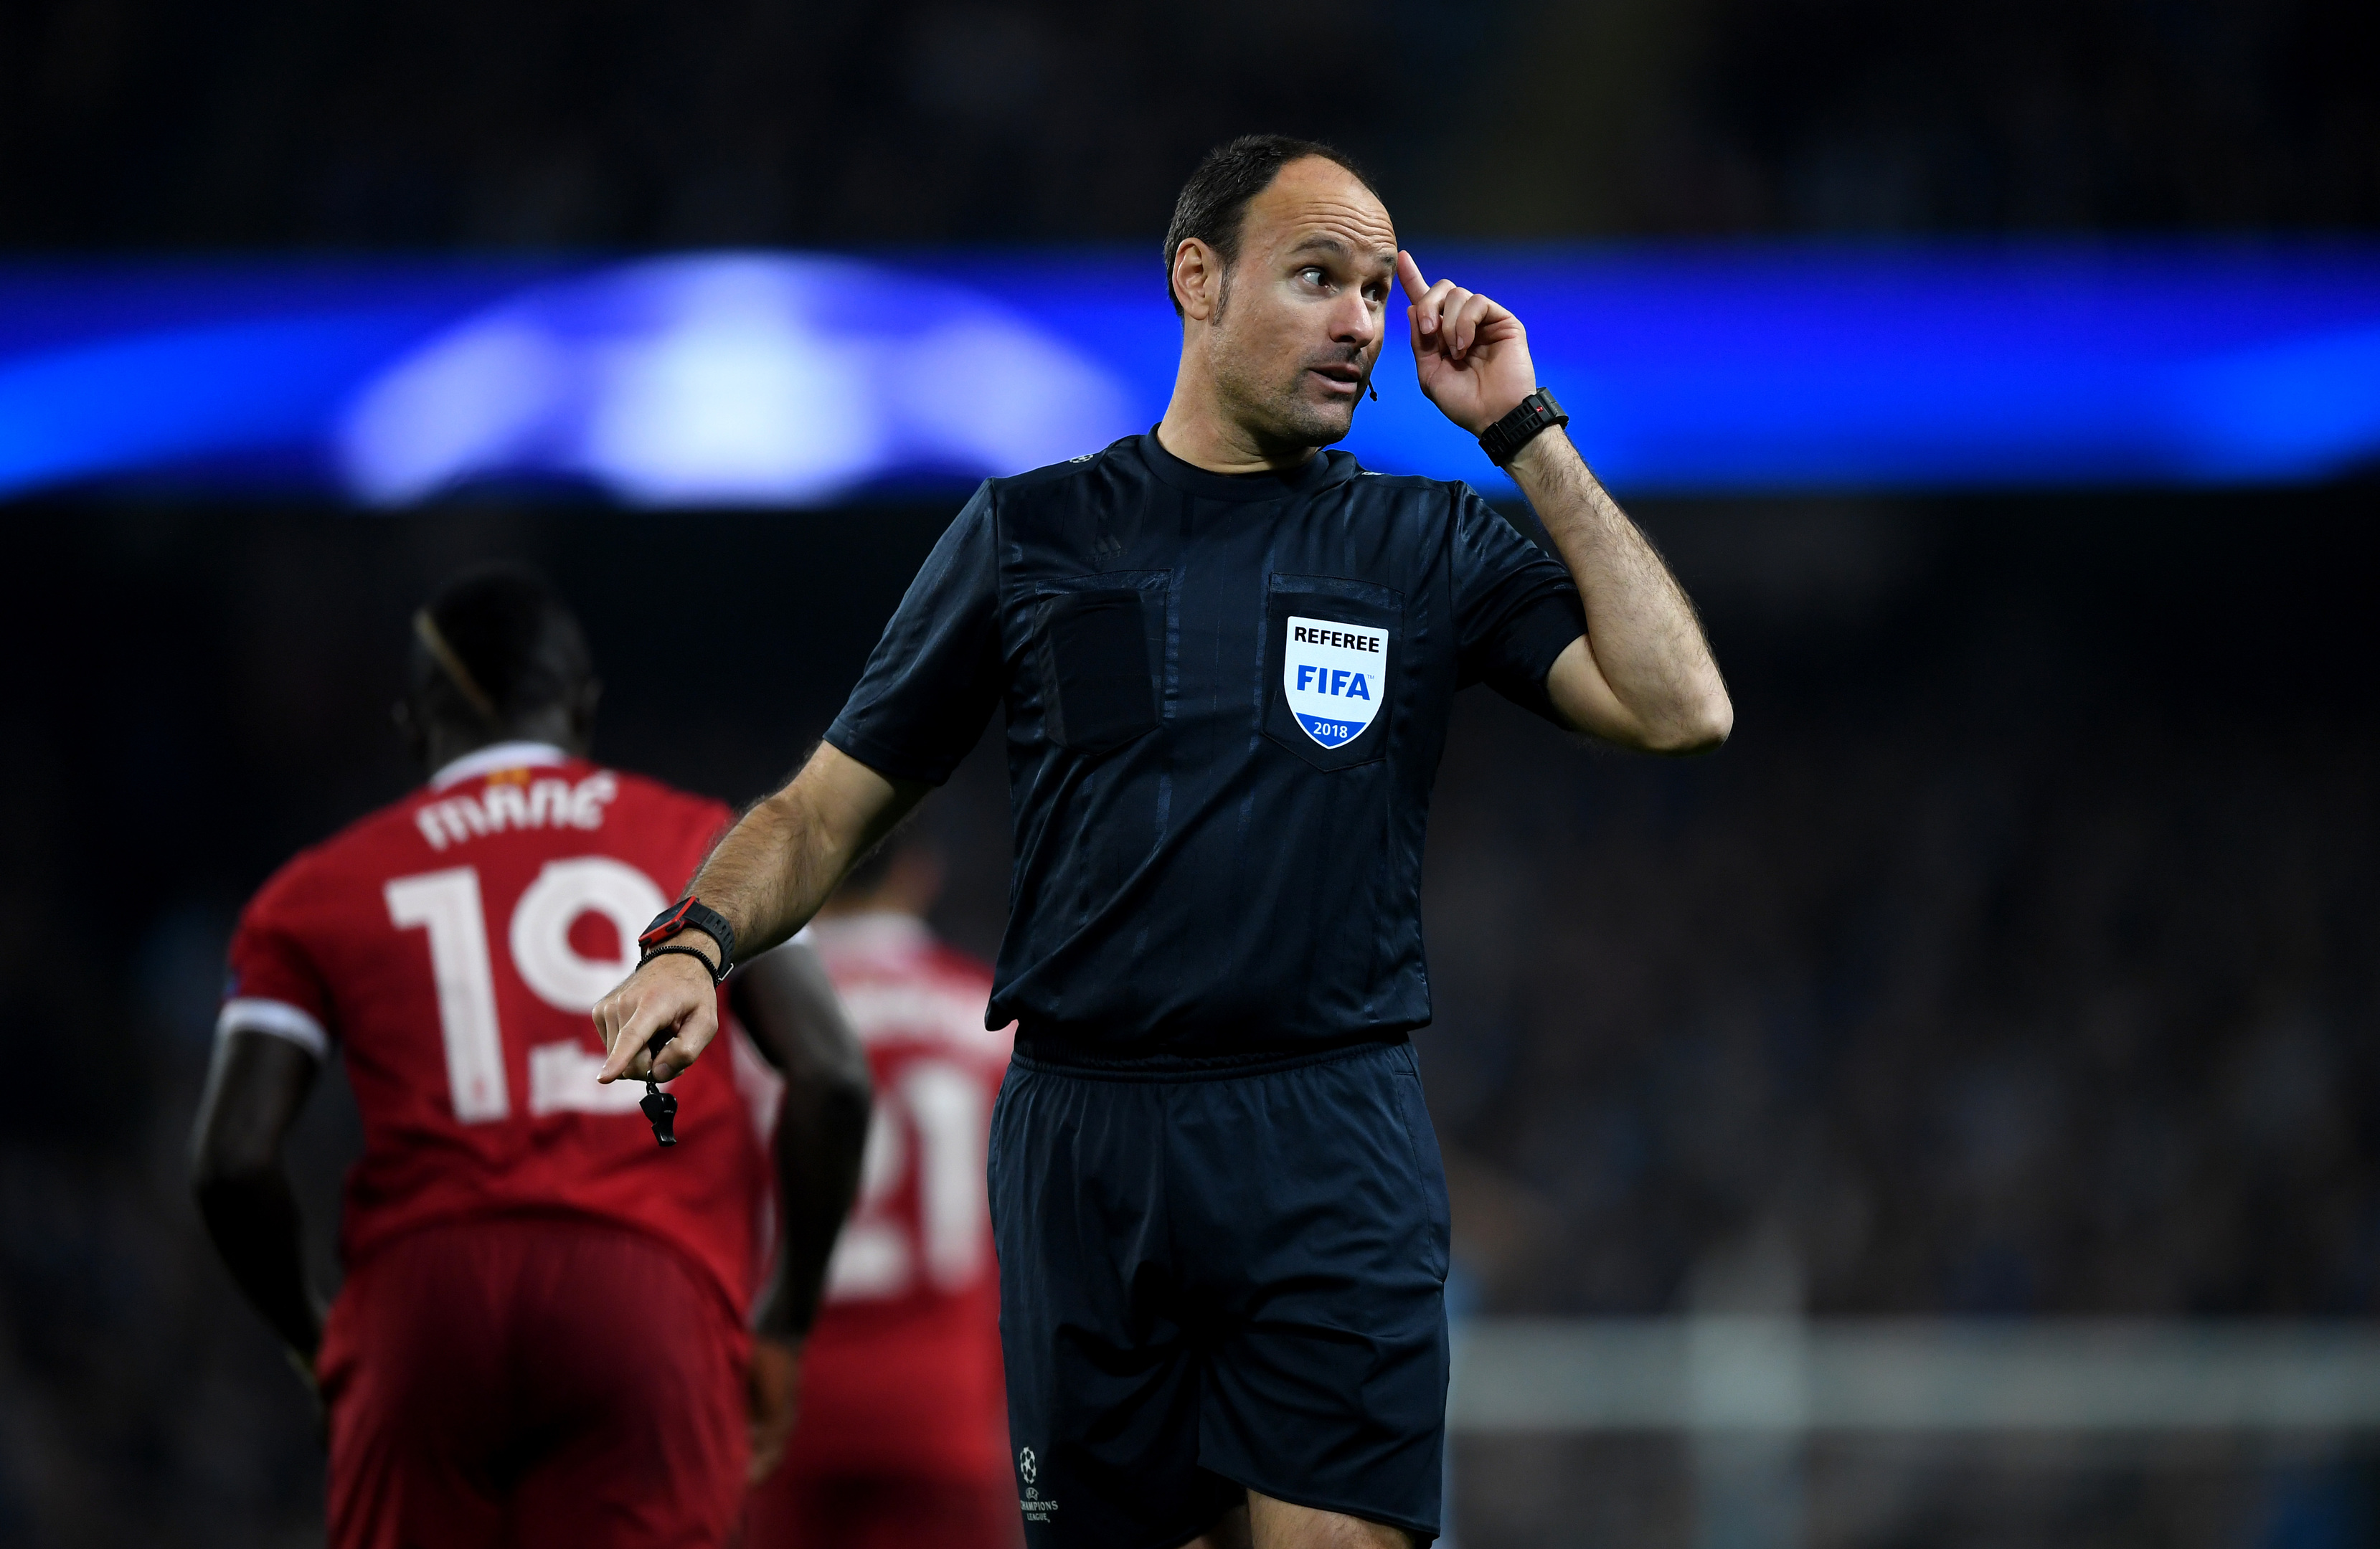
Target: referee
[(1226, 659)]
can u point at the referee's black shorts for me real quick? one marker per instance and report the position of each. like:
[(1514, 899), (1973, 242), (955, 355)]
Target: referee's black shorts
[(1220, 1281)]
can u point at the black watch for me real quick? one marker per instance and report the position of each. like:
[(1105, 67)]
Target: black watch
[(689, 913), (1503, 439)]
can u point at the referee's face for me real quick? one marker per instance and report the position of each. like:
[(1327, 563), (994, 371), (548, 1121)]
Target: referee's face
[(1301, 322)]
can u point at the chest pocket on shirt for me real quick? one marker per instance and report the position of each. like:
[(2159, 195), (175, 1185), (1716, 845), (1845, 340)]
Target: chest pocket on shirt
[(1097, 663), (1332, 651)]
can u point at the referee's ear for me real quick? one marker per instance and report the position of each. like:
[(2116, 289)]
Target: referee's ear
[(1198, 280)]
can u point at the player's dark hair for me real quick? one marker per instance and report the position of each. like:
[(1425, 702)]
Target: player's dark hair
[(1214, 203), (495, 644)]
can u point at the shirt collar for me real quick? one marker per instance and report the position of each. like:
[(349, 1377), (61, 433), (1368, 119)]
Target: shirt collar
[(1323, 468), (497, 755)]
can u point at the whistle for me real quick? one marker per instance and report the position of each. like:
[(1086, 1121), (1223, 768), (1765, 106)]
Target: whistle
[(660, 1108)]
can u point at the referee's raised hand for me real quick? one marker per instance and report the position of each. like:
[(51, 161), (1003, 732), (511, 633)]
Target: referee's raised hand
[(1471, 355)]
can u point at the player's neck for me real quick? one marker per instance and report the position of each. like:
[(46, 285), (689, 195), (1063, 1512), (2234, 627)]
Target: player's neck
[(444, 741), (448, 747), (1200, 429), (508, 754)]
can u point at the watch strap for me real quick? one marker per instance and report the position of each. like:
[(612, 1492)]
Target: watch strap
[(1537, 412), (718, 975), (690, 913)]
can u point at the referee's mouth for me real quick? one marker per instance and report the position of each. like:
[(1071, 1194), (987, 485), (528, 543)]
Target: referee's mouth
[(1342, 379)]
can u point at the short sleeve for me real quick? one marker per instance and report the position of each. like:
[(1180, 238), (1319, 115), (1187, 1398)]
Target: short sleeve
[(936, 673), (1516, 608), (273, 986)]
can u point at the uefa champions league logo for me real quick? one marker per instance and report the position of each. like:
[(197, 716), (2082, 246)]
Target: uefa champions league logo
[(1036, 1509), (1333, 675)]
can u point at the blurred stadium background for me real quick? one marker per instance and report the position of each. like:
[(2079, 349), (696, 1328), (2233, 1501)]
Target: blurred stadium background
[(1949, 1116)]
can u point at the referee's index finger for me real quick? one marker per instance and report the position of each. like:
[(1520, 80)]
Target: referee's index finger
[(628, 1038), (621, 1054), (1409, 277)]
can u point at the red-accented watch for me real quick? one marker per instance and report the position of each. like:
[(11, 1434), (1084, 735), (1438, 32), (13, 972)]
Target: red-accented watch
[(690, 913), (1503, 441)]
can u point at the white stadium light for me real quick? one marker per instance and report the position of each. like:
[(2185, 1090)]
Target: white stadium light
[(727, 380)]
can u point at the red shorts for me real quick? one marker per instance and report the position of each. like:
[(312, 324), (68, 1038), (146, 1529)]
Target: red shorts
[(483, 1391), (793, 1511)]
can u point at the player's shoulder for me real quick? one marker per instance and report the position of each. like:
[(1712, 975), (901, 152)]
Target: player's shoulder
[(1444, 493), (902, 985), (365, 846), (285, 893), (1448, 515), (645, 792), (437, 823), (1084, 467)]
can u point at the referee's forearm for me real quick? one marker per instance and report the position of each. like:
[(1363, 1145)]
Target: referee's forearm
[(1647, 643), (768, 875), (777, 865)]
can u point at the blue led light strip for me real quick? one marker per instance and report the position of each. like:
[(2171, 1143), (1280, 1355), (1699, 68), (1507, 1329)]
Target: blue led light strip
[(809, 379)]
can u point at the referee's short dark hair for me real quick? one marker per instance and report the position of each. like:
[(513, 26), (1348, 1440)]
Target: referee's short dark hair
[(1214, 203)]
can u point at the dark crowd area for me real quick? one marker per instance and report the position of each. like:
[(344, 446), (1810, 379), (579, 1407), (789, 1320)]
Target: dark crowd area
[(2016, 956), (542, 123), (2020, 955)]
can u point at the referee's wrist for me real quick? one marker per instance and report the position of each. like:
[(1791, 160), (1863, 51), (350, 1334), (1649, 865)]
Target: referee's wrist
[(1524, 423), (673, 927), (1541, 450), (697, 941)]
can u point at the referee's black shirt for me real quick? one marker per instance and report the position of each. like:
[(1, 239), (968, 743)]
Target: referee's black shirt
[(1226, 697)]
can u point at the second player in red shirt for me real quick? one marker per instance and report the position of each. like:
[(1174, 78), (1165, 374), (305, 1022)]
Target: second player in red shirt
[(903, 1436)]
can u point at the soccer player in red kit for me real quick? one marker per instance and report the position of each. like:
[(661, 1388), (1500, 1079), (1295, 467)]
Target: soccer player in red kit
[(450, 945), (903, 1437)]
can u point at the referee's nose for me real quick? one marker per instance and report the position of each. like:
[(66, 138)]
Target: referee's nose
[(1355, 319)]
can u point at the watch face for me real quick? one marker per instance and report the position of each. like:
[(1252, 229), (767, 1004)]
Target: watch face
[(667, 921)]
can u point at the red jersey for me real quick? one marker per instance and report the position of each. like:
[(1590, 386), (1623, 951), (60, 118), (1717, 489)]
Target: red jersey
[(902, 1375), (452, 945)]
